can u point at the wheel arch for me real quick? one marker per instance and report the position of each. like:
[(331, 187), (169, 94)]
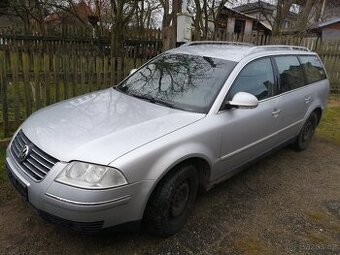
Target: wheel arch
[(318, 112), (200, 163)]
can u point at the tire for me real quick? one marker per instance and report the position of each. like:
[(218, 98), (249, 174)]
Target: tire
[(306, 134), (171, 202)]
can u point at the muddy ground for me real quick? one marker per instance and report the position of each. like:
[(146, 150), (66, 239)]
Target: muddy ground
[(288, 203)]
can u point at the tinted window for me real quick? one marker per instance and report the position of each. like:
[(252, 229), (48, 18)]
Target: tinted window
[(256, 78), (291, 74), (313, 68), (182, 81)]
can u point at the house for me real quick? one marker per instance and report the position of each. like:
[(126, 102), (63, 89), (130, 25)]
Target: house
[(78, 13), (330, 9), (327, 30), (265, 13), (237, 23)]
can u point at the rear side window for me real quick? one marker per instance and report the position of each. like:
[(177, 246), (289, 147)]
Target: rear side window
[(256, 78), (313, 68), (290, 71)]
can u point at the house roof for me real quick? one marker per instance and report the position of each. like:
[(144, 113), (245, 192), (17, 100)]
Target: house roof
[(248, 16), (260, 5), (317, 27), (327, 23), (254, 6)]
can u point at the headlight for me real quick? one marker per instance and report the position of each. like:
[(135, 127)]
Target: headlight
[(90, 176)]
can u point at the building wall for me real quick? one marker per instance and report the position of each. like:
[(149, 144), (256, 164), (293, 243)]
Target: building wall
[(330, 34), (231, 25), (335, 26), (248, 27)]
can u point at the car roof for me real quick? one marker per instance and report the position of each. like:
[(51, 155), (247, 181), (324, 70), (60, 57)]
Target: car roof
[(235, 51)]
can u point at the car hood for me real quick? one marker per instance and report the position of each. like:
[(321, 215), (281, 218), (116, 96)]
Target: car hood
[(101, 126)]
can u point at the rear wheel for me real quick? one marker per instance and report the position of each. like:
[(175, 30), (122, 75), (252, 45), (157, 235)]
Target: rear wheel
[(170, 203), (306, 134)]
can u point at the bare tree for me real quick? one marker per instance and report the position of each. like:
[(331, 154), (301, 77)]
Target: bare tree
[(169, 22), (205, 13), (146, 12), (27, 11)]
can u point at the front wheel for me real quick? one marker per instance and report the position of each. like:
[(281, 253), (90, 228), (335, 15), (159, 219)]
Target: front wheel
[(306, 134), (170, 203)]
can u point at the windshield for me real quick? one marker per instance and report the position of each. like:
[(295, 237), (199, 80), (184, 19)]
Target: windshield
[(181, 81)]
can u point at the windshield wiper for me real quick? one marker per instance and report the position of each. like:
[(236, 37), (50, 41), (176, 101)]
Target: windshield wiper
[(165, 103), (153, 100), (150, 99)]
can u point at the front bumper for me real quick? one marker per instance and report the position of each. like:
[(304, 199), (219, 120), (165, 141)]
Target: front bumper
[(76, 208)]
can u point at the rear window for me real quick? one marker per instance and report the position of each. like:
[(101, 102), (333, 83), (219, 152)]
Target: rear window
[(291, 74), (313, 68)]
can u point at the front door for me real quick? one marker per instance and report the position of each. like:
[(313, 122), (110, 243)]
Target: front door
[(248, 133)]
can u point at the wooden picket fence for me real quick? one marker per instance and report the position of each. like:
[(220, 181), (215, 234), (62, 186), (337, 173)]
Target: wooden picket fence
[(36, 71)]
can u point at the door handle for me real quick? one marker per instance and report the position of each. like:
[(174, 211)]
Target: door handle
[(307, 100), (276, 112)]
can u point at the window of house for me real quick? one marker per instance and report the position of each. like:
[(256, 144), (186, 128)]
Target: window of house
[(239, 26)]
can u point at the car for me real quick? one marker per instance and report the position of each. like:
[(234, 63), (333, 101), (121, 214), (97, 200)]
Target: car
[(138, 153)]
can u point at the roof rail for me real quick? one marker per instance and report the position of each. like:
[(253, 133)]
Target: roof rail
[(215, 43), (276, 47)]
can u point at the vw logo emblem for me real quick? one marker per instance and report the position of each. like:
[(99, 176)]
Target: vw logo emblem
[(24, 153)]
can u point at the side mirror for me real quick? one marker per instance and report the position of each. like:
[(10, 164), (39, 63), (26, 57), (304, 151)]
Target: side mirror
[(132, 71), (244, 100)]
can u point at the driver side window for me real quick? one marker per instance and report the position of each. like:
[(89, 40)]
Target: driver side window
[(256, 78)]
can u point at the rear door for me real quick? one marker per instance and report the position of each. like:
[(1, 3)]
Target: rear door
[(294, 97)]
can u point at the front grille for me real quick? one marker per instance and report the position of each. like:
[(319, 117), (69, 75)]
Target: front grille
[(82, 227), (37, 163)]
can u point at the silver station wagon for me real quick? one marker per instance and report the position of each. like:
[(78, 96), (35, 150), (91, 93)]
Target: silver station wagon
[(137, 153)]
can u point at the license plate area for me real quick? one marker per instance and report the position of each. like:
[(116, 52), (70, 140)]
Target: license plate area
[(18, 185)]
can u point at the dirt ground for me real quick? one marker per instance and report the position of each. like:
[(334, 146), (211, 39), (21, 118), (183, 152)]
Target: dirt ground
[(289, 203)]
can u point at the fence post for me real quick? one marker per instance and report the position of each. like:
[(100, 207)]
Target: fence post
[(26, 78), (36, 87), (47, 77), (3, 80), (56, 76), (14, 61)]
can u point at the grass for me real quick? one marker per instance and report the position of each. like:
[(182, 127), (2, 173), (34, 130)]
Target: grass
[(2, 165), (6, 192), (329, 128)]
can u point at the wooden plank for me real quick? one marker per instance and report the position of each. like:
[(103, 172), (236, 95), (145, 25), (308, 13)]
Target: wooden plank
[(65, 69), (26, 78), (98, 72), (74, 74), (83, 68), (14, 61), (36, 83), (89, 72), (119, 69), (105, 70), (47, 78), (4, 99), (113, 71), (56, 61)]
